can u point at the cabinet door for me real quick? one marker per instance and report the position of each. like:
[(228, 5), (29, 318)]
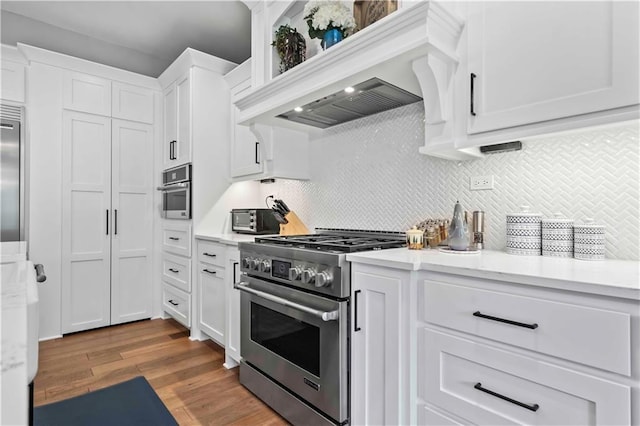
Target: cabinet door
[(183, 150), (86, 93), (232, 337), (86, 221), (537, 61), (246, 156), (132, 102), (170, 135), (12, 87), (375, 351), (212, 301), (132, 207)]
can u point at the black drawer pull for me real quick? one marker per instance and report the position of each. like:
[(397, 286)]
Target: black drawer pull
[(172, 302), (174, 238), (533, 407), (210, 254), (506, 321), (175, 271), (208, 271)]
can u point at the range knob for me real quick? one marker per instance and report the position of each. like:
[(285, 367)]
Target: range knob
[(246, 262), (324, 279), (253, 264), (308, 276), (265, 266), (295, 273)]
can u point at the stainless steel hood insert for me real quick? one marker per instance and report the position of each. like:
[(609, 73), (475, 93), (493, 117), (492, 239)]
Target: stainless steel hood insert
[(367, 98)]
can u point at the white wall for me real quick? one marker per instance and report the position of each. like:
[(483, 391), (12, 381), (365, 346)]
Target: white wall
[(368, 174)]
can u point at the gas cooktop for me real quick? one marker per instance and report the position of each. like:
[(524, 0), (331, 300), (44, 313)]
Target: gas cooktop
[(334, 240)]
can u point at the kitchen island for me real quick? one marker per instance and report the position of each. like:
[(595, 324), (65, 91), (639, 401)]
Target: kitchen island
[(15, 271)]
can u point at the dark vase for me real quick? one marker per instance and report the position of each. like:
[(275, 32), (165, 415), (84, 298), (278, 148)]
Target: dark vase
[(331, 37)]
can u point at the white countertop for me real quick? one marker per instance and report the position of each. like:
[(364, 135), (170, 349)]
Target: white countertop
[(617, 278), (231, 239), (13, 390)]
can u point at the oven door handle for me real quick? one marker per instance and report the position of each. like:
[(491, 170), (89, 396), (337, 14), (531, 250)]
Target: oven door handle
[(324, 316)]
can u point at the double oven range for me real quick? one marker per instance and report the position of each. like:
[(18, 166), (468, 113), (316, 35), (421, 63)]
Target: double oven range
[(295, 320)]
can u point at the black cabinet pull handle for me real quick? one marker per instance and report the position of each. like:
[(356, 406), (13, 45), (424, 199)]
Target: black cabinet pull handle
[(209, 254), (209, 271), (506, 321), (174, 238), (172, 302), (175, 271), (257, 152), (115, 222), (355, 310), (107, 233), (471, 106), (235, 266), (533, 407), (172, 150)]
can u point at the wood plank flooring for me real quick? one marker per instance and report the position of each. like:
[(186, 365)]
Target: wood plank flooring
[(188, 376)]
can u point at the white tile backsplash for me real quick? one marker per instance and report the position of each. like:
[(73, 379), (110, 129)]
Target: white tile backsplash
[(368, 174)]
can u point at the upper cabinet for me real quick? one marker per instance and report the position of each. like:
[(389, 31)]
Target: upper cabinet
[(86, 93), (12, 72), (534, 62), (132, 103), (176, 145), (263, 151)]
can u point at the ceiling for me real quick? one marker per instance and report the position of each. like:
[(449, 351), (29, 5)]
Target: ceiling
[(139, 36)]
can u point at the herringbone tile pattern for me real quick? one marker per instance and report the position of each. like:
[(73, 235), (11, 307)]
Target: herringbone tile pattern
[(369, 175)]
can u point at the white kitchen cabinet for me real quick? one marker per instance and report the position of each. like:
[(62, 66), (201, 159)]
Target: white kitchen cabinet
[(86, 93), (232, 331), (12, 66), (132, 103), (474, 381), (212, 294), (261, 151), (379, 346), (106, 228), (177, 303), (177, 122), (531, 62)]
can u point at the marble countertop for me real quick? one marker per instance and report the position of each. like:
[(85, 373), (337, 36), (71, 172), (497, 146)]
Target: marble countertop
[(231, 239), (617, 278), (14, 271)]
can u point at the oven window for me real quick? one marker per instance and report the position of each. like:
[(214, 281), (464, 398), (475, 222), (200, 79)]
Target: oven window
[(294, 340), (175, 200)]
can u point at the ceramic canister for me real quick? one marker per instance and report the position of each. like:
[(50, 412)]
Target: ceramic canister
[(557, 236), (588, 240), (524, 233)]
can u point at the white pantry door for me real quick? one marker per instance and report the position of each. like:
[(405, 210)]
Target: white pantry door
[(132, 179), (86, 221)]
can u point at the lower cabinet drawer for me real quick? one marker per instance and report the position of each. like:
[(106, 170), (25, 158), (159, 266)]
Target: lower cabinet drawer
[(429, 417), (491, 386), (595, 337), (176, 237), (176, 270), (177, 303)]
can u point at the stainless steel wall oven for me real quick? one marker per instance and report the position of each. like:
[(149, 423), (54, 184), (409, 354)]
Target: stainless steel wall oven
[(176, 192)]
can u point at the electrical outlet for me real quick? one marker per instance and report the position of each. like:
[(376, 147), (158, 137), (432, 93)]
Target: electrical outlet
[(479, 183)]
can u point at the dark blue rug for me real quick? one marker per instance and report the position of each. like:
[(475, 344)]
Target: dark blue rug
[(133, 402)]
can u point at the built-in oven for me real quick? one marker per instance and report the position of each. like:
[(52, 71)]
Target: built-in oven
[(176, 192), (299, 341)]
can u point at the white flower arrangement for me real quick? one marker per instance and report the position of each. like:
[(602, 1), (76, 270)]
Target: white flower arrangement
[(325, 15)]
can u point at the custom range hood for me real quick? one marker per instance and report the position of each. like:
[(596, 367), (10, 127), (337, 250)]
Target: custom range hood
[(408, 56), (371, 97)]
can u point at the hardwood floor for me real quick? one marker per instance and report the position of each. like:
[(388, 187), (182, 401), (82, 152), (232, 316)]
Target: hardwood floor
[(188, 376)]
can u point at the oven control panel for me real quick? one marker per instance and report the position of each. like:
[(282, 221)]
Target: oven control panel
[(309, 275)]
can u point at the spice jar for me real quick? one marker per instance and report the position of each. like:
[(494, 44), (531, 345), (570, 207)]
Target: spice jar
[(415, 239)]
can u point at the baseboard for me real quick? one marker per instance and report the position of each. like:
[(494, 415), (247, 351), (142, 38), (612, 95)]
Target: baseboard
[(42, 339)]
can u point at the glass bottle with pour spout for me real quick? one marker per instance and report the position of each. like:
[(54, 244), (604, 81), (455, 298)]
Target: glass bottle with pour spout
[(458, 230)]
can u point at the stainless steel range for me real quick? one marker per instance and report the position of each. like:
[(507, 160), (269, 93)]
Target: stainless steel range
[(295, 314)]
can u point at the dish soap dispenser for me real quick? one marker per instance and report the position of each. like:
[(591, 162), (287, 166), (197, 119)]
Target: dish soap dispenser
[(458, 230)]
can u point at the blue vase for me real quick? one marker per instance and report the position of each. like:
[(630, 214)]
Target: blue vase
[(331, 37)]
